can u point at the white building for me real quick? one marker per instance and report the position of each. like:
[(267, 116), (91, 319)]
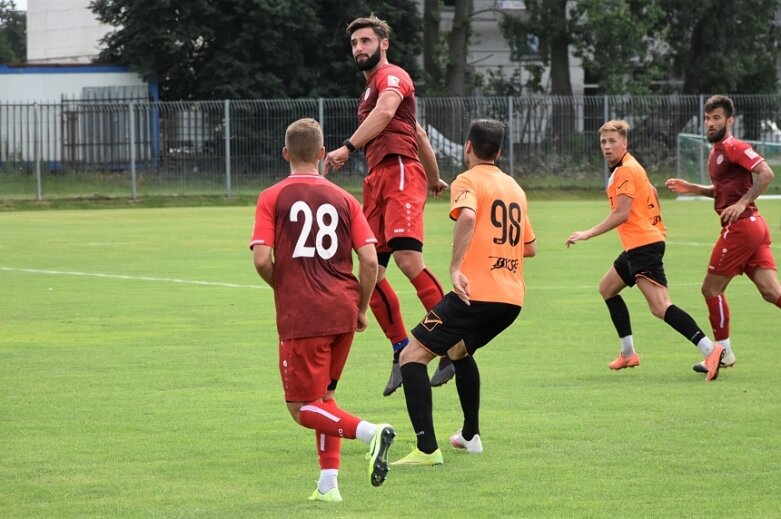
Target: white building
[(62, 31)]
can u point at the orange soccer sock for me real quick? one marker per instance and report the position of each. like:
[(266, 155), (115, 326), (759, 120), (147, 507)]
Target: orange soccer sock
[(328, 418), (718, 314), (428, 288), (386, 309)]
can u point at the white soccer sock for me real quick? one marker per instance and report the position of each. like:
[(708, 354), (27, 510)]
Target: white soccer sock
[(365, 431), (725, 343), (627, 346), (327, 480), (705, 346)]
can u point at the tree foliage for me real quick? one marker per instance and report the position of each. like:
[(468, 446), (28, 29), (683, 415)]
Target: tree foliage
[(13, 33), (643, 46), (246, 49)]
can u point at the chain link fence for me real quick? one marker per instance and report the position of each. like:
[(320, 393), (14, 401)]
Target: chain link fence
[(78, 148)]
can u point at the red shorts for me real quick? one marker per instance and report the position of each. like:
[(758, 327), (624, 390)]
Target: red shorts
[(394, 195), (743, 246), (308, 365)]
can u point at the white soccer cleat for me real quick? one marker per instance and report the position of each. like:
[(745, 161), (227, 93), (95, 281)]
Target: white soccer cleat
[(473, 446), (727, 361)]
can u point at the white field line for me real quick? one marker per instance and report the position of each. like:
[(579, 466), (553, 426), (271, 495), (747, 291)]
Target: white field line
[(592, 286), (132, 278)]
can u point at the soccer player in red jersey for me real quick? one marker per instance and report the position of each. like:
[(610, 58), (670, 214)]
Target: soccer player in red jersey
[(306, 229), (637, 217), (402, 168), (738, 175)]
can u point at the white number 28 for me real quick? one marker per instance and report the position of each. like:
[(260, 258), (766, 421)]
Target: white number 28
[(323, 230)]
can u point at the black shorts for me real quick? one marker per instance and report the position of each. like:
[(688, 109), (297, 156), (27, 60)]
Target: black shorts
[(645, 261), (452, 321)]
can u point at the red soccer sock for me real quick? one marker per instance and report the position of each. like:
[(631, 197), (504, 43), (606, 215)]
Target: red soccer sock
[(718, 314), (386, 309), (429, 289), (328, 418), (328, 447)]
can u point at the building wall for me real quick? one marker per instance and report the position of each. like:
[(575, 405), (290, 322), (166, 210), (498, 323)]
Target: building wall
[(62, 31), (490, 51), (45, 84)]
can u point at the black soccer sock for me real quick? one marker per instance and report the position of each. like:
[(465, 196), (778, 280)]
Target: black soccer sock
[(619, 313), (683, 323), (417, 393), (468, 387)]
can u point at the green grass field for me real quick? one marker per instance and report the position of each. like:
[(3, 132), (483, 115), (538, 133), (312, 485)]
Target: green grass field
[(138, 379)]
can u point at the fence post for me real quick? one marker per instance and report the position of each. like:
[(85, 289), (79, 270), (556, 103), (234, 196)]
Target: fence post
[(511, 134), (131, 123), (226, 109), (36, 151), (605, 169), (704, 135)]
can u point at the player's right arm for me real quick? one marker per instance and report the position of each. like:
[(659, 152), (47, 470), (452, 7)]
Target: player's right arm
[(679, 185), (264, 262), (367, 278), (462, 237), (619, 215)]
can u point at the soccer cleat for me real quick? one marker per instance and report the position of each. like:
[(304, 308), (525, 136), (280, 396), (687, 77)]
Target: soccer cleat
[(378, 453), (332, 496), (713, 362), (444, 372), (473, 446), (394, 382), (418, 457), (726, 362), (625, 362)]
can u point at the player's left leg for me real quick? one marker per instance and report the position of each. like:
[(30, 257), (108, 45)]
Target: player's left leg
[(767, 283)]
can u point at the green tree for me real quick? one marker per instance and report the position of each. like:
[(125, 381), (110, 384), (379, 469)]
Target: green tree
[(13, 33), (246, 49)]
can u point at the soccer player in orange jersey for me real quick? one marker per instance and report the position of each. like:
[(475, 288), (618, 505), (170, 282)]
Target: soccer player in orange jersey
[(402, 168), (738, 175), (492, 236), (636, 215), (306, 229)]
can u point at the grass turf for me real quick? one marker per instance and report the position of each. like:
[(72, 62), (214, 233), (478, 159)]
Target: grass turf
[(138, 379)]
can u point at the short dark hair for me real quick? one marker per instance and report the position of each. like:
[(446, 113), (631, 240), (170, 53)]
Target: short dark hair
[(724, 102), (380, 27), (486, 136)]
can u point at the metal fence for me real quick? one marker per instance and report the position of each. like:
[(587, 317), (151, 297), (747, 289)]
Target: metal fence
[(132, 148)]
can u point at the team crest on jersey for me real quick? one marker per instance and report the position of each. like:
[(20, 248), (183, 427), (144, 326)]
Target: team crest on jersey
[(719, 159), (750, 153), (393, 81), (462, 195), (431, 321), (367, 94)]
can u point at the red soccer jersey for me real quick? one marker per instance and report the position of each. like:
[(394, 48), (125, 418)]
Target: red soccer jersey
[(730, 164), (313, 226), (399, 137)]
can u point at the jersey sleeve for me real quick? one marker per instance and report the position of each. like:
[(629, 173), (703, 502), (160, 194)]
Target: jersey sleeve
[(264, 232), (361, 232), (462, 194), (394, 79), (742, 154), (624, 182)]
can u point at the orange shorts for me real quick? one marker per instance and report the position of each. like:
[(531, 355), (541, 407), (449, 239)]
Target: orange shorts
[(308, 365), (394, 195), (742, 247)]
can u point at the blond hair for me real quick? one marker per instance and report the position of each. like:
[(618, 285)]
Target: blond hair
[(304, 139), (615, 125)]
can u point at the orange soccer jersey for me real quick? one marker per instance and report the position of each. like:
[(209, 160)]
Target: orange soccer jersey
[(644, 224), (494, 260)]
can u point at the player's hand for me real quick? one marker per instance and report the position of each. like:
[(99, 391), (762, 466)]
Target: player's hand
[(678, 185), (731, 213), (436, 188), (335, 160), (460, 285), (363, 322), (576, 236)]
